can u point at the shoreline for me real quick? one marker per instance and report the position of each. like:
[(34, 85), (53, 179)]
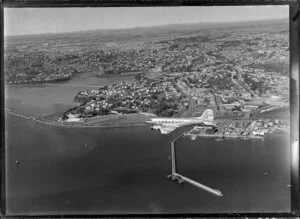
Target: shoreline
[(51, 85), (73, 125), (221, 136), (225, 136), (73, 82), (109, 121)]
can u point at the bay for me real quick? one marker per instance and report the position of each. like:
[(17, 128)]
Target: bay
[(123, 171)]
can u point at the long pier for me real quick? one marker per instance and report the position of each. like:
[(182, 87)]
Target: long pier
[(180, 178)]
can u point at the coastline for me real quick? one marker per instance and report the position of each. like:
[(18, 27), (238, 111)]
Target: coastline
[(45, 121), (48, 99), (222, 136), (119, 121)]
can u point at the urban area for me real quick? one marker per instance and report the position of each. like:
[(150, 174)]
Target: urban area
[(238, 73)]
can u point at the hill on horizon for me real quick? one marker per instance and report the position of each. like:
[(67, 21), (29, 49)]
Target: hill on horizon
[(156, 30)]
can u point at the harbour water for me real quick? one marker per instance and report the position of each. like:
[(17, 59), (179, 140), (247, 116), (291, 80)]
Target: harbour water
[(123, 170)]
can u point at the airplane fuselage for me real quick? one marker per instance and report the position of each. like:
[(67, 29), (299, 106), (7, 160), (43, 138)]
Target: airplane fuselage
[(167, 125), (180, 121)]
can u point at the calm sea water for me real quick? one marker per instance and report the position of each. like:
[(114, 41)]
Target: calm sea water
[(123, 170)]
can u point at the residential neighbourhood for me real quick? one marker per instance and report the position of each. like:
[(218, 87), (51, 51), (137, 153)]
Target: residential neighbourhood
[(175, 75), (175, 81)]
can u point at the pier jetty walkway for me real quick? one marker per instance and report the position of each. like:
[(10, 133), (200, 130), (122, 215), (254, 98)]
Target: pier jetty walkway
[(175, 176)]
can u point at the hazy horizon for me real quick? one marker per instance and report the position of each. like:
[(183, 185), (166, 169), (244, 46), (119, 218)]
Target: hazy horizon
[(68, 20), (154, 26)]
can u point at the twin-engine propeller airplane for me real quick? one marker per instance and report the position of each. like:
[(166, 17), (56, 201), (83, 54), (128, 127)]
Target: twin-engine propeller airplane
[(167, 125)]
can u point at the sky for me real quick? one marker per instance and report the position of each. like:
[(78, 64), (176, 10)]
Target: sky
[(23, 21)]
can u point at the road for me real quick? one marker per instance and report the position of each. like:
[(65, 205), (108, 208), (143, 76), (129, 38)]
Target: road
[(218, 101), (242, 84), (192, 104)]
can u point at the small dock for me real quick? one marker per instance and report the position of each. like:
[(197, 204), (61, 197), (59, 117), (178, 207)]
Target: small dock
[(180, 178)]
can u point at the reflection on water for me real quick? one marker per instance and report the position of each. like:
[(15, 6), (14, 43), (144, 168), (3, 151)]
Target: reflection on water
[(64, 170)]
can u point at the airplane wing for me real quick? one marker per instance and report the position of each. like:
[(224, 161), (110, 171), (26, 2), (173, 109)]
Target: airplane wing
[(167, 129)]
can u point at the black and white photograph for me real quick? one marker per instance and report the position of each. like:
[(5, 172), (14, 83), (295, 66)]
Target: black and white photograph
[(147, 110)]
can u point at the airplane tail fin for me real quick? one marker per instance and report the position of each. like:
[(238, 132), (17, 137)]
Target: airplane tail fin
[(207, 115)]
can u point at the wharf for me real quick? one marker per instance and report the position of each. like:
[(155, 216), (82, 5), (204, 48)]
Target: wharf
[(202, 134), (180, 178)]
